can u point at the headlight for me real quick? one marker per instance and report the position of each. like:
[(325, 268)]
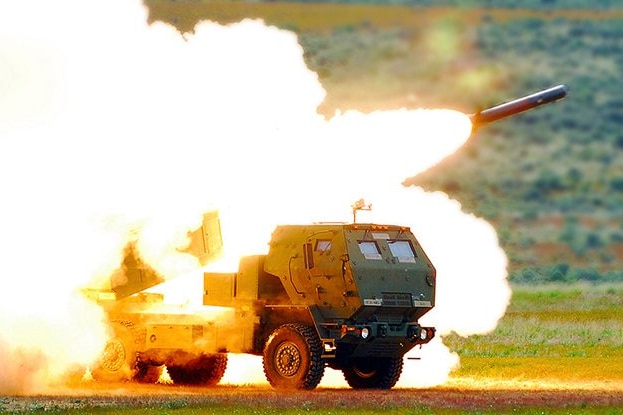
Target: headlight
[(365, 332), (422, 334)]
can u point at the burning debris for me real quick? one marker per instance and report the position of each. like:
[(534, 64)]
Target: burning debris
[(164, 378)]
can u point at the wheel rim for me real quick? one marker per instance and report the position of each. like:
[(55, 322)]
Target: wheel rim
[(365, 370), (287, 359), (364, 374), (114, 356)]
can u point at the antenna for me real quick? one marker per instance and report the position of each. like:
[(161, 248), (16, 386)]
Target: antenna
[(360, 205)]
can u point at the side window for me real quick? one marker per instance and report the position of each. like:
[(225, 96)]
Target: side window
[(402, 250), (369, 249), (323, 245)]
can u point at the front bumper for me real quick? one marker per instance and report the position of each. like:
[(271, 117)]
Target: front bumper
[(377, 339)]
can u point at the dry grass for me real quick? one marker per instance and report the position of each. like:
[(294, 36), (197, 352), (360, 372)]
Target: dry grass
[(307, 17), (560, 335), (468, 397)]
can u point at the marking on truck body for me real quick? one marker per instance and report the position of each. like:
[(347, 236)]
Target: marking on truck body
[(420, 303), (373, 301)]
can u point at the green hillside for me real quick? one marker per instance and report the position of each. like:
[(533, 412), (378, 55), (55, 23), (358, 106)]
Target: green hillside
[(551, 180)]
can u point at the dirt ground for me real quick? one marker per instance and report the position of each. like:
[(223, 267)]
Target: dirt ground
[(461, 394)]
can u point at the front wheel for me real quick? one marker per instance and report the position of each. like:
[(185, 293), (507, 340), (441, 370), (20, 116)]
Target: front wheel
[(118, 361), (293, 357), (373, 373)]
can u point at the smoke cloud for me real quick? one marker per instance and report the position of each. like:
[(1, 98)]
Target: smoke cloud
[(114, 130)]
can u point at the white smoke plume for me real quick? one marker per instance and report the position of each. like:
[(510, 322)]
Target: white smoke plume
[(112, 129)]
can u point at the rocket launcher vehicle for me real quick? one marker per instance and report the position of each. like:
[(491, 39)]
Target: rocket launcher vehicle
[(348, 296)]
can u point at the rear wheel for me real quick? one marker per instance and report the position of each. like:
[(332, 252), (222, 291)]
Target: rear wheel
[(147, 373), (204, 369), (118, 361), (293, 357), (373, 373)]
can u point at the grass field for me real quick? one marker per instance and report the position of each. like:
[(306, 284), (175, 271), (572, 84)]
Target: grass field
[(558, 349), (558, 333)]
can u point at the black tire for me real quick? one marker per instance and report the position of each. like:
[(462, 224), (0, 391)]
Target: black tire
[(118, 361), (373, 373), (206, 370), (147, 373), (293, 357)]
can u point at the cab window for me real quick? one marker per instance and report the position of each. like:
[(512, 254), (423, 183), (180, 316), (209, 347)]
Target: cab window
[(369, 249), (402, 251)]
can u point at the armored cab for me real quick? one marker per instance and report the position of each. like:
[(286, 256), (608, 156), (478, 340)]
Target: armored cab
[(361, 276)]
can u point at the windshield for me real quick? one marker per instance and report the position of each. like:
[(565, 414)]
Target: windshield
[(369, 249), (402, 250)]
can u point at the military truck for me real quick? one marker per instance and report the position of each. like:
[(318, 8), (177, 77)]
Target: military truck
[(347, 296), (343, 295)]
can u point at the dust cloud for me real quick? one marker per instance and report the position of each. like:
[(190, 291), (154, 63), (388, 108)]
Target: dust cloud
[(113, 130)]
